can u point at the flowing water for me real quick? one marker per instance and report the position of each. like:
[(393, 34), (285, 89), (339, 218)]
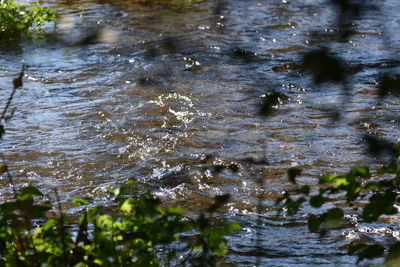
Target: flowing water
[(169, 96)]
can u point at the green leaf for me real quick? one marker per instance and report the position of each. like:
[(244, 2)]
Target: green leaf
[(393, 257), (317, 201), (31, 190), (305, 189), (128, 205), (362, 172), (49, 224), (392, 167), (332, 218), (379, 204), (175, 210), (371, 185), (334, 214), (292, 174), (119, 191), (293, 206), (98, 262), (353, 249), (234, 226), (131, 181), (327, 178), (105, 221), (370, 252), (93, 212), (314, 223), (81, 201), (340, 182)]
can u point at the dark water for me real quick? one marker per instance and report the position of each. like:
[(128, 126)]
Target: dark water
[(160, 95)]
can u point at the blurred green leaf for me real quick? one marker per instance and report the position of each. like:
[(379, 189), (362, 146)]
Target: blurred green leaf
[(362, 172), (81, 201), (317, 201), (292, 174), (368, 251), (31, 190), (327, 178), (334, 214), (340, 182), (105, 221), (131, 181), (379, 203), (393, 257), (175, 210), (128, 205), (314, 223), (119, 191), (93, 212), (305, 189)]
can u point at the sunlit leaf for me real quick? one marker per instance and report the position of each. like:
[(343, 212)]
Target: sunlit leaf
[(49, 224), (327, 178), (339, 182), (119, 191), (105, 221), (127, 205), (93, 212), (175, 210), (81, 201), (131, 181)]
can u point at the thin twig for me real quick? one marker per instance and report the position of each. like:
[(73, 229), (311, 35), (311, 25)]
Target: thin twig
[(62, 228), (258, 241), (259, 223), (9, 176), (17, 83)]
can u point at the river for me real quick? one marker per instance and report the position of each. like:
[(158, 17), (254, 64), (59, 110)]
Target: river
[(169, 95)]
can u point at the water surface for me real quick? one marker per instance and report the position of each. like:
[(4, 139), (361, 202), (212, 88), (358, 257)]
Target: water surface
[(160, 95)]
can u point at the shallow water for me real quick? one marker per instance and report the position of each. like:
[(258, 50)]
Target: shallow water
[(162, 97)]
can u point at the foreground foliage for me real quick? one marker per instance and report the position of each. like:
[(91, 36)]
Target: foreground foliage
[(360, 192), (138, 233), (377, 196), (17, 19)]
